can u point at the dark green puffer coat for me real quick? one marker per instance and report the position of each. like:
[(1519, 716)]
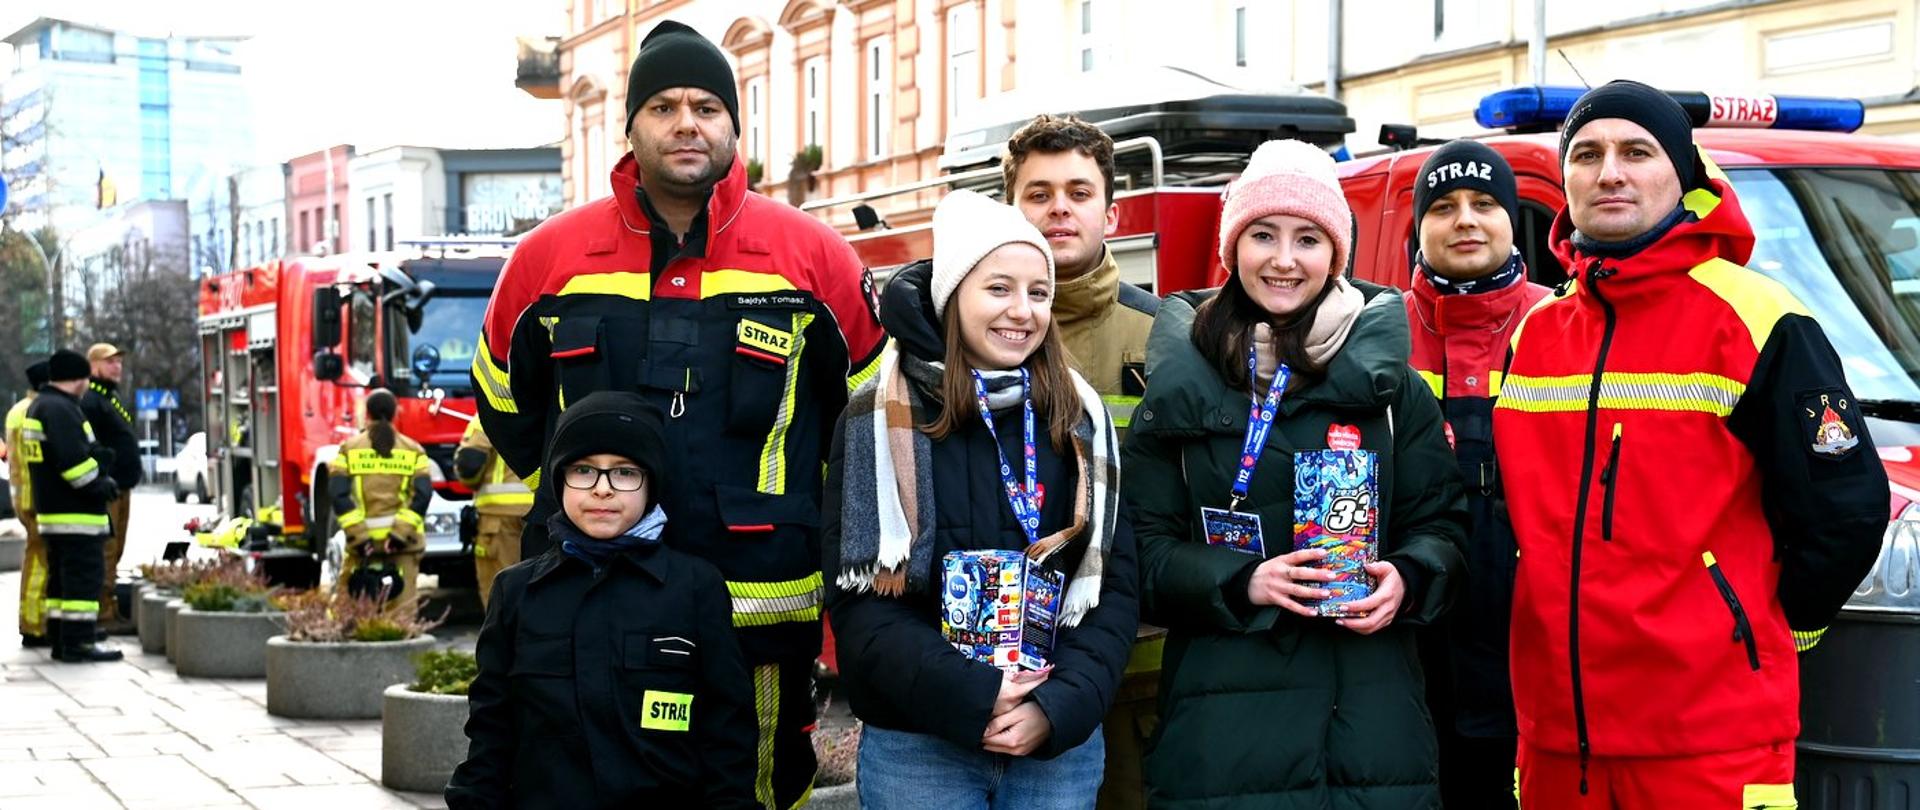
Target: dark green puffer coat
[(1259, 707)]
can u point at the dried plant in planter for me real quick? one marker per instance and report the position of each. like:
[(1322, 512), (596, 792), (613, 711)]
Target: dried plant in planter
[(444, 672), (324, 616), (231, 589), (176, 575)]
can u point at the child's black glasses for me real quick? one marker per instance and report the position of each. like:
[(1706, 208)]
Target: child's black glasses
[(622, 479)]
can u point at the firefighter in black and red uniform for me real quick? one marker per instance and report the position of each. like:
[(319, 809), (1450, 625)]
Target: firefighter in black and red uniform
[(742, 318), (71, 493), (1469, 291)]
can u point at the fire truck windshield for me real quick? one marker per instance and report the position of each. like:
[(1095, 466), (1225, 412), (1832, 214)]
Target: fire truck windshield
[(443, 344), (1846, 241)]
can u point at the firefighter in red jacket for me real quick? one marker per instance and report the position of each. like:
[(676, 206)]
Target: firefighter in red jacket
[(1690, 480), (742, 318), (1469, 292)]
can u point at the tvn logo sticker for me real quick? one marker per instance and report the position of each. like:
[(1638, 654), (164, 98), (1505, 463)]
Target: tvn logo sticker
[(765, 339), (667, 711)]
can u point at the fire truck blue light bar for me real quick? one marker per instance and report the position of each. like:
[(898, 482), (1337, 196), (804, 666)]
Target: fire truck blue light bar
[(1537, 107)]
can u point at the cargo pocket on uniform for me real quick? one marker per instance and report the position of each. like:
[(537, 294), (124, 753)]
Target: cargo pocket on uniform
[(576, 354), (764, 353), (659, 675), (1742, 629), (541, 678)]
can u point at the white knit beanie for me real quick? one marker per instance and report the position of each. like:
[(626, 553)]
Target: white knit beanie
[(1288, 177), (966, 227)]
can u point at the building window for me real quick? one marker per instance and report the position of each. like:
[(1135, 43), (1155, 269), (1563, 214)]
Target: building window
[(273, 249), (1086, 35), (963, 58), (333, 228), (1240, 36), (388, 202), (373, 240), (305, 240), (879, 92), (814, 79)]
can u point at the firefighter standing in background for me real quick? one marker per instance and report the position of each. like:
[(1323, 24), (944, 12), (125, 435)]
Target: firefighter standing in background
[(502, 501), (380, 488), (33, 566), (112, 426), (71, 492), (1468, 294), (740, 317), (1691, 482)]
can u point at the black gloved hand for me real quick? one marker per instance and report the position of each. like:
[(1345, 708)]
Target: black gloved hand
[(105, 489), (102, 454)]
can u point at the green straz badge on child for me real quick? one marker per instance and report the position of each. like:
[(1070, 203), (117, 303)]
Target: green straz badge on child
[(667, 711)]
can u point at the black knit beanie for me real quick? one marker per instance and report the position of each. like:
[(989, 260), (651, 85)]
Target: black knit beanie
[(36, 375), (1464, 164), (674, 55), (615, 422), (1654, 111), (67, 364)]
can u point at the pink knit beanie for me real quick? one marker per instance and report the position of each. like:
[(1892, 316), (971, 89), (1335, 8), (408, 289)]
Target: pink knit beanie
[(1287, 177)]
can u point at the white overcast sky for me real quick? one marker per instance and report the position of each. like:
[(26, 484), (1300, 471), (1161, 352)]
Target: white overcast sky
[(371, 73)]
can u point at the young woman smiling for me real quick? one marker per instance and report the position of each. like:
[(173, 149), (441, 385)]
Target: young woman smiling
[(975, 435), (1265, 703)]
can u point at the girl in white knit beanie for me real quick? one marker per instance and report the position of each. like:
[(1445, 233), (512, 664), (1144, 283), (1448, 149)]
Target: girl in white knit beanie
[(976, 437)]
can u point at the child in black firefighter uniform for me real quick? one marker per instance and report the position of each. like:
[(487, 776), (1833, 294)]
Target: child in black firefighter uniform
[(609, 671), (71, 493)]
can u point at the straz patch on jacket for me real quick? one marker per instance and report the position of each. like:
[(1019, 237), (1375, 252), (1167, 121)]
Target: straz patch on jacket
[(764, 342), (666, 711), (1832, 423)]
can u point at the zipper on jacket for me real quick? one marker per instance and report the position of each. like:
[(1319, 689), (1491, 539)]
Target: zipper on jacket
[(1607, 480), (1594, 276), (1742, 629)]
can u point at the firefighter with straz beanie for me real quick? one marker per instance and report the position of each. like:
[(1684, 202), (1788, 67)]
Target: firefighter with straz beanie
[(380, 488), (740, 317), (1469, 292), (112, 426), (71, 493), (1691, 483), (33, 566), (502, 501)]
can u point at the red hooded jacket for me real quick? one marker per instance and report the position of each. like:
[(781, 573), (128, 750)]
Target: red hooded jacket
[(1662, 471)]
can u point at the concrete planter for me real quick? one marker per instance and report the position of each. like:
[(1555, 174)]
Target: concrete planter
[(151, 616), (172, 645), (222, 645), (422, 738), (342, 681), (13, 550)]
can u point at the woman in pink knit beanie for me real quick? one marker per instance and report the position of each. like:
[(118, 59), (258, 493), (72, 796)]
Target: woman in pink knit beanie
[(1291, 550)]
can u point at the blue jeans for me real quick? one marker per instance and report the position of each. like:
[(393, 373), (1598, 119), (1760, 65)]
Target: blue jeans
[(901, 769)]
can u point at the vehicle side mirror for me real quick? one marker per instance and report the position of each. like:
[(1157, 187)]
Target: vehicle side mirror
[(328, 366), (326, 318)]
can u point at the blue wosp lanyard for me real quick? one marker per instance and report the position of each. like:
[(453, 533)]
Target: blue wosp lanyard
[(1025, 509), (1259, 424)]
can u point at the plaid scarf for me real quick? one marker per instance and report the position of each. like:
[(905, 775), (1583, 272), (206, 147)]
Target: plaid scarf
[(887, 502)]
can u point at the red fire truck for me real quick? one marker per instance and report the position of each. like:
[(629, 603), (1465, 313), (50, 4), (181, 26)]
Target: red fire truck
[(288, 351), (1837, 216)]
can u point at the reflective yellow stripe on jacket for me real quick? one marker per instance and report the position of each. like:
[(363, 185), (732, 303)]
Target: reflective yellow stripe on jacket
[(1698, 392), (72, 523), (757, 604)]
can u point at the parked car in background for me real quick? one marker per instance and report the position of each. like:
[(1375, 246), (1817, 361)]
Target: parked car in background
[(190, 469)]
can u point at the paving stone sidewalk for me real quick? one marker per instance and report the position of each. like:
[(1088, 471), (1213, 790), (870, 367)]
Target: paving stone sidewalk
[(133, 734)]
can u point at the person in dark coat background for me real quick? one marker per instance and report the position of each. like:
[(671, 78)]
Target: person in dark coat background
[(1263, 703), (610, 675), (917, 473)]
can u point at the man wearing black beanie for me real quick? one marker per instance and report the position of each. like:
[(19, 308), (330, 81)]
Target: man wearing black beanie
[(71, 490), (1690, 480), (739, 317), (1468, 294)]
